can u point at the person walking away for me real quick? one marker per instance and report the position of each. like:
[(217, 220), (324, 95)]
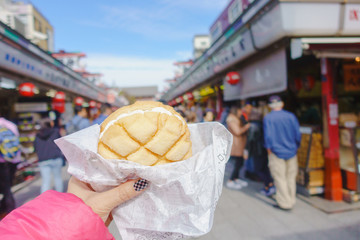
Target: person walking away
[(10, 156), (237, 151), (282, 140), (50, 156), (106, 110), (79, 121), (258, 155)]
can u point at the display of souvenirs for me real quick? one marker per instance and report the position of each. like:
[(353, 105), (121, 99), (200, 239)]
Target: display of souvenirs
[(311, 174), (314, 178), (310, 152), (348, 120), (27, 129), (303, 150)]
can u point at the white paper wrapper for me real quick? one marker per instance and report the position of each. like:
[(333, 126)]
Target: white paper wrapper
[(181, 198)]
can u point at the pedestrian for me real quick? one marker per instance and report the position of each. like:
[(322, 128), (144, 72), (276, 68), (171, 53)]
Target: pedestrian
[(257, 155), (238, 130), (80, 213), (49, 155), (209, 115), (282, 140), (10, 156), (106, 110), (224, 115), (79, 121)]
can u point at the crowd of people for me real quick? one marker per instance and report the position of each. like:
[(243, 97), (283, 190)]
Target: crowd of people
[(265, 143), (269, 144), (50, 158)]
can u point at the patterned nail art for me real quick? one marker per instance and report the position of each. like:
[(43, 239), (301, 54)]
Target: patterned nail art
[(140, 184)]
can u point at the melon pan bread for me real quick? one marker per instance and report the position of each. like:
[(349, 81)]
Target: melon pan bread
[(146, 132)]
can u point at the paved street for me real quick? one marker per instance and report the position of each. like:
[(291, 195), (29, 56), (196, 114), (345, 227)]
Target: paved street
[(246, 214)]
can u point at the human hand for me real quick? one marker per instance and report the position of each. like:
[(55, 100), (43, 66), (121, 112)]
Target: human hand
[(103, 203), (269, 151)]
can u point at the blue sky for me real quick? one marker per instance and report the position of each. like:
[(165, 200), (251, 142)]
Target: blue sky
[(132, 42)]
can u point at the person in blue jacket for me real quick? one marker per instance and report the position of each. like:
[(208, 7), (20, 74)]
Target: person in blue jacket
[(50, 156), (282, 140)]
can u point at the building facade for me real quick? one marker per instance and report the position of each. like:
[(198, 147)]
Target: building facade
[(28, 21), (200, 44)]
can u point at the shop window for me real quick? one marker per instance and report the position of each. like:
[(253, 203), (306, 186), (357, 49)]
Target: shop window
[(235, 10)]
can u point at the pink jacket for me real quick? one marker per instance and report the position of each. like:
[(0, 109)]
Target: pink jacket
[(54, 215)]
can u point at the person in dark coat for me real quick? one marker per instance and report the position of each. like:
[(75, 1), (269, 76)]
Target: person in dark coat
[(50, 156)]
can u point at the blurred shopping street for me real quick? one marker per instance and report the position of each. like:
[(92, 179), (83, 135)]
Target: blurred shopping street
[(246, 214)]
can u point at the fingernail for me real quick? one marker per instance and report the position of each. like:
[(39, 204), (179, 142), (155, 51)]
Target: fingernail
[(140, 185)]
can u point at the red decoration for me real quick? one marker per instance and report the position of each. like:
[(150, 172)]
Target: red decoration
[(179, 99), (58, 106), (92, 104), (27, 89), (190, 96), (59, 97), (79, 101), (309, 82), (232, 78)]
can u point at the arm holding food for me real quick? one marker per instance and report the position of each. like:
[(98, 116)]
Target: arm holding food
[(79, 214)]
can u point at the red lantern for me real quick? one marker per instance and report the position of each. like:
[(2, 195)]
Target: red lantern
[(92, 104), (79, 101), (59, 97), (190, 96), (58, 106), (232, 78), (27, 89)]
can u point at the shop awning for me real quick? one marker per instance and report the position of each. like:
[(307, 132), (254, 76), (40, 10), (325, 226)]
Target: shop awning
[(266, 76), (264, 24), (348, 48)]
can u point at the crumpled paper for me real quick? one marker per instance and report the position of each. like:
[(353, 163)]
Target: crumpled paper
[(181, 198)]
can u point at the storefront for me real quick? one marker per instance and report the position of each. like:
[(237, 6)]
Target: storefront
[(289, 48), (32, 83)]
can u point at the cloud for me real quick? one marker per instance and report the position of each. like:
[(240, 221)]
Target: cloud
[(166, 19), (131, 71), (199, 5)]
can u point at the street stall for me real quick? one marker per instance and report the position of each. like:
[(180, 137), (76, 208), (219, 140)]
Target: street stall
[(32, 82), (299, 50)]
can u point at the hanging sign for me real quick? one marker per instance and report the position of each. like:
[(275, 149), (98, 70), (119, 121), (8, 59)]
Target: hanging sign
[(352, 77), (27, 89), (232, 78), (58, 106), (79, 101), (92, 104), (59, 97)]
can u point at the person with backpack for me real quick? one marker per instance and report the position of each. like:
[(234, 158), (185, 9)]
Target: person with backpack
[(9, 158), (50, 156), (79, 121)]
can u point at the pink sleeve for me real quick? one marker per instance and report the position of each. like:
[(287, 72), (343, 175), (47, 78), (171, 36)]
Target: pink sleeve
[(54, 215)]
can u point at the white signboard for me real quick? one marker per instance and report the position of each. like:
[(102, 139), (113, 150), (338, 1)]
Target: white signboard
[(31, 107), (352, 19)]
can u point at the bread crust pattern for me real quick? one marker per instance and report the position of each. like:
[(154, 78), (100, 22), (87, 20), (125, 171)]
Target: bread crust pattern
[(146, 132)]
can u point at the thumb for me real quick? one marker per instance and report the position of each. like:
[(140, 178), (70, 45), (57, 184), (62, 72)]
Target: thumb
[(126, 191)]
